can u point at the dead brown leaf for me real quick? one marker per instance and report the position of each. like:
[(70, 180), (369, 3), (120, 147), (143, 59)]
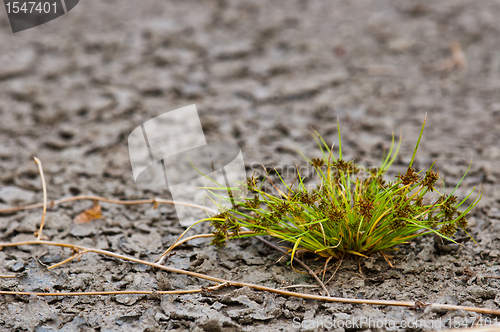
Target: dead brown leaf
[(89, 215), (457, 59)]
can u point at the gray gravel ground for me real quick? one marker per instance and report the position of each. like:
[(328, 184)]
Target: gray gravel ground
[(262, 74)]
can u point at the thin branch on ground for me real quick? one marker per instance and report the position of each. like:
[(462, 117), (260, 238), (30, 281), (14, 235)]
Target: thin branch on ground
[(44, 188), (335, 272), (182, 291), (79, 251), (162, 258), (285, 252), (78, 255), (298, 286), (154, 201), (63, 262), (178, 242), (387, 258), (326, 265), (410, 304)]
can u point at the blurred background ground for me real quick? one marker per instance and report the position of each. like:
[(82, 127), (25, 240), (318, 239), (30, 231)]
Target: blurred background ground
[(262, 74)]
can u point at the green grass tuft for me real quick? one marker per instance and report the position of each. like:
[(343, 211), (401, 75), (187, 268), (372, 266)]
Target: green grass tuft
[(352, 210)]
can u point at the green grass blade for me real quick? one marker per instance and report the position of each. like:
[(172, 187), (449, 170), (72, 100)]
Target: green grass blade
[(418, 142)]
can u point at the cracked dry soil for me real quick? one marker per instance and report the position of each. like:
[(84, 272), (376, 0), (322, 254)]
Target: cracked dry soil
[(262, 74)]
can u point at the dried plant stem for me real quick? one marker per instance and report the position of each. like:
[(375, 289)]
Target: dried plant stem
[(103, 199), (184, 291), (76, 255), (311, 272), (44, 188), (179, 242), (326, 265), (4, 276), (299, 286), (335, 272), (272, 245), (63, 262), (387, 259), (410, 304), (151, 201)]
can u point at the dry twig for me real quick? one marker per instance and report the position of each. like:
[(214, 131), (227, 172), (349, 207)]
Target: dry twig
[(44, 188), (183, 291), (272, 245), (410, 304), (221, 283), (154, 201), (162, 258), (335, 272)]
